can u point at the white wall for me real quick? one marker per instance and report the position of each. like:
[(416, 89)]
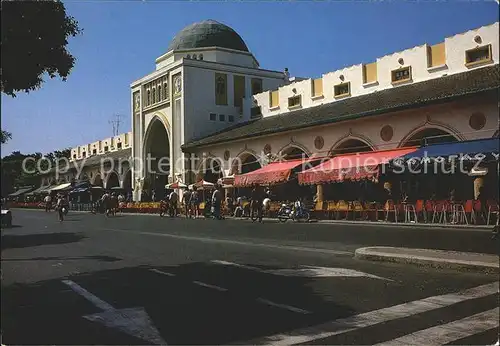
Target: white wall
[(416, 57), (454, 117)]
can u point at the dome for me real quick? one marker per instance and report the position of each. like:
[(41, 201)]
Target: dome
[(208, 33)]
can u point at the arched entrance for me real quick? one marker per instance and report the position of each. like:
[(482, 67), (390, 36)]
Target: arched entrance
[(127, 181), (428, 136), (113, 181), (293, 153), (245, 163), (351, 145), (156, 158), (212, 170)]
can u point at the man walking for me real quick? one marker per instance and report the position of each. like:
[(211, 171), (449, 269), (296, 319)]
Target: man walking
[(186, 197), (173, 203)]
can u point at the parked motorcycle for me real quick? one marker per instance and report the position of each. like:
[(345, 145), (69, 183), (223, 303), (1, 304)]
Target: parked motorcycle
[(288, 211)]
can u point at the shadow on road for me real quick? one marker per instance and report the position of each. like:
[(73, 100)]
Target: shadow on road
[(29, 240), (182, 310), (64, 258)]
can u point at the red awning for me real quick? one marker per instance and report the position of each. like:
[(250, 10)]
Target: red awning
[(351, 166), (275, 172)]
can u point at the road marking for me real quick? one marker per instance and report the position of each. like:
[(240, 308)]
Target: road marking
[(101, 304), (162, 272), (282, 306), (133, 321), (371, 318), (445, 333), (235, 242), (306, 271), (222, 289)]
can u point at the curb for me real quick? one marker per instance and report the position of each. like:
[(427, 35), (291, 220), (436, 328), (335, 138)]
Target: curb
[(479, 228), (372, 254)]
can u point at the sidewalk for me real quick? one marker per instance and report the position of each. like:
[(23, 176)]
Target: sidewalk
[(480, 228), (434, 258)]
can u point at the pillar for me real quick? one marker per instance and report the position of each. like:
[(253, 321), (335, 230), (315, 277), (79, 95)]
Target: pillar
[(478, 184), (319, 192)]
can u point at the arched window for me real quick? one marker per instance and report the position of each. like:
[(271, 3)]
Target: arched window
[(194, 56), (201, 57), (188, 56), (154, 95), (165, 91), (160, 95), (148, 99)]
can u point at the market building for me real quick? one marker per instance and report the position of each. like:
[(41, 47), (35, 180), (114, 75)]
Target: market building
[(215, 113)]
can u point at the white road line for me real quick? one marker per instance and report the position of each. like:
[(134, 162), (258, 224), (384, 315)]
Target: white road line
[(222, 289), (371, 318), (235, 242), (226, 263), (101, 304), (445, 333), (305, 271), (282, 306), (162, 272)]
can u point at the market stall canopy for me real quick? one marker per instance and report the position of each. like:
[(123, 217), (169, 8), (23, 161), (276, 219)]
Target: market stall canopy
[(481, 149), (226, 181), (61, 187), (273, 173), (351, 166), (20, 192), (47, 189), (176, 185), (204, 184), (39, 190)]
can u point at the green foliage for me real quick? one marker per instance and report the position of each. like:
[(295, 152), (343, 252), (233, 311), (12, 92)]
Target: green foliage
[(5, 136), (34, 38), (14, 174)]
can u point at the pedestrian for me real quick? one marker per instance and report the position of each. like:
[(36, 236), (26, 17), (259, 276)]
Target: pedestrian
[(185, 199), (194, 202), (216, 202), (173, 198), (48, 203), (59, 206)]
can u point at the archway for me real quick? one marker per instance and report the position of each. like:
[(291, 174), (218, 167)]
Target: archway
[(212, 170), (98, 180), (245, 163), (127, 181), (351, 145), (112, 181), (293, 153), (157, 158), (428, 136)]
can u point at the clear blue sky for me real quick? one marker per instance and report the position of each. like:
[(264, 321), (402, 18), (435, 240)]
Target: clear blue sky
[(121, 40)]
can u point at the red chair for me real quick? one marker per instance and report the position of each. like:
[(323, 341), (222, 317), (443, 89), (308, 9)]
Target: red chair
[(469, 210), (391, 207), (429, 209), (492, 209), (439, 212)]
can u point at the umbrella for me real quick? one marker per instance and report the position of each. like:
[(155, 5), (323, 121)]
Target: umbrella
[(204, 184), (176, 185)]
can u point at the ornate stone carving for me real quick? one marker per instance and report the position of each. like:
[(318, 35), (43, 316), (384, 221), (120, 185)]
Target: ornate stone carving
[(477, 121), (386, 133), (177, 84), (137, 102), (319, 142), (267, 149)]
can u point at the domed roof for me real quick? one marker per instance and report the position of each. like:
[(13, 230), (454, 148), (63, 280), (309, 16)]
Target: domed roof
[(208, 33)]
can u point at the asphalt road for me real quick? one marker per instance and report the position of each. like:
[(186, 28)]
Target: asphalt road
[(144, 280)]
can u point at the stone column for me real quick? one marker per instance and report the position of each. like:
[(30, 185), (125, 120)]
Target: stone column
[(478, 183)]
